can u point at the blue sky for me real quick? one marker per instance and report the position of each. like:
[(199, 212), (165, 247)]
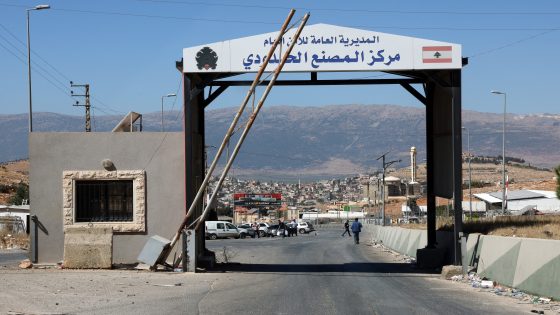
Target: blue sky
[(127, 50)]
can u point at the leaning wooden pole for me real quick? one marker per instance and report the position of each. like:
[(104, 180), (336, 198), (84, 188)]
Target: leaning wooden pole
[(250, 123), (228, 135)]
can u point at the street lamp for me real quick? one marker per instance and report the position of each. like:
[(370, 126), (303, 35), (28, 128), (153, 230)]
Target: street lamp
[(168, 95), (503, 153), (470, 180), (39, 7)]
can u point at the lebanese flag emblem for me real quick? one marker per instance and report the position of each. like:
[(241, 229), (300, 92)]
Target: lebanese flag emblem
[(436, 54)]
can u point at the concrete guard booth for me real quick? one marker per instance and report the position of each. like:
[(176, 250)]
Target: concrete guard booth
[(429, 70)]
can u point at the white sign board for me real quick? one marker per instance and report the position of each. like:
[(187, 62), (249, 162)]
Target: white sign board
[(323, 47)]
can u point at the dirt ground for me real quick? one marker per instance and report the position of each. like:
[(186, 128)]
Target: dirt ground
[(12, 173)]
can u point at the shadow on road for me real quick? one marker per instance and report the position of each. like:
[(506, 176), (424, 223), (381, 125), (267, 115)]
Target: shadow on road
[(372, 268)]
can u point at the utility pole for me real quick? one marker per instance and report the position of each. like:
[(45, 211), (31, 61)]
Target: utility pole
[(86, 105), (385, 166)]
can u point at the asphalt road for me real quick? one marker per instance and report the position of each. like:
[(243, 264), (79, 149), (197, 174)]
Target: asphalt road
[(10, 258), (329, 274), (309, 274)]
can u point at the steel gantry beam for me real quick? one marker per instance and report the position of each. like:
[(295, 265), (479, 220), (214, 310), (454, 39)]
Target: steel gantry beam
[(314, 81)]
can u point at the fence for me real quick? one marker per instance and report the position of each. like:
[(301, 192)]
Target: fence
[(12, 224)]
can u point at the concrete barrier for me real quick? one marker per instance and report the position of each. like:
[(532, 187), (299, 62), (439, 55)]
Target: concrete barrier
[(404, 241), (531, 265), (408, 241), (88, 248)]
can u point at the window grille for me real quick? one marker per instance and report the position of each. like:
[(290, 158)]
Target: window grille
[(104, 201)]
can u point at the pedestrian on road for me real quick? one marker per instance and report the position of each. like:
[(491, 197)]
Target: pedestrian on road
[(256, 228), (282, 228), (356, 229), (347, 228)]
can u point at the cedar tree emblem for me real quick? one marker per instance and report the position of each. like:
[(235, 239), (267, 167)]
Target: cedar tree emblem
[(206, 58)]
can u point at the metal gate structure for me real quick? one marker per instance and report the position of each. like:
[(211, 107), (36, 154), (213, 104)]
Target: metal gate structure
[(428, 70)]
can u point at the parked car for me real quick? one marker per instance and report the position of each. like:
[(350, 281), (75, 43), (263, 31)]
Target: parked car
[(245, 230), (305, 227), (273, 230), (220, 229)]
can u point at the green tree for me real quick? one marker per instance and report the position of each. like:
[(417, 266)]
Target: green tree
[(22, 192), (557, 171)]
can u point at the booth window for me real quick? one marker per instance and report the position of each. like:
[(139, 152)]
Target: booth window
[(115, 199), (104, 200)]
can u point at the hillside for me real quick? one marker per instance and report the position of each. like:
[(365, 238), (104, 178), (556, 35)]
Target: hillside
[(11, 174), (288, 142)]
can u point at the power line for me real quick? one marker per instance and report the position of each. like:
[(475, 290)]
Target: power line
[(33, 62), (63, 85), (33, 52), (36, 71), (167, 17), (512, 43), (170, 17), (176, 97), (324, 9), (337, 10)]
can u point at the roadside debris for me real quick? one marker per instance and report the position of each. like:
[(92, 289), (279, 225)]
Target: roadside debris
[(168, 285), (485, 285), (25, 264)]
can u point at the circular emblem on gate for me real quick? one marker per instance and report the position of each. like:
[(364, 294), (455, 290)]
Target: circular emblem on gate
[(206, 58)]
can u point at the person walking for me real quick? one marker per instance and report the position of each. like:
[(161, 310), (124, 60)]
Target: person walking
[(346, 229), (256, 228), (356, 229), (282, 228)]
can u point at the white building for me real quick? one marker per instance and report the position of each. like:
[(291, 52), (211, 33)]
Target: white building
[(521, 200)]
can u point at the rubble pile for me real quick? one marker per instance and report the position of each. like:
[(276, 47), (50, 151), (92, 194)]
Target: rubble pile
[(543, 305), (475, 281)]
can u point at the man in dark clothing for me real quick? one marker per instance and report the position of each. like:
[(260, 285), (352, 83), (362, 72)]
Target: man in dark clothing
[(356, 229), (347, 228), (282, 228), (256, 228)]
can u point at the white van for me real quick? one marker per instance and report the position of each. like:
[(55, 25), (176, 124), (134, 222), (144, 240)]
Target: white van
[(221, 229)]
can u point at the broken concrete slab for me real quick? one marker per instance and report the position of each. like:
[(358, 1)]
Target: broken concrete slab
[(447, 272)]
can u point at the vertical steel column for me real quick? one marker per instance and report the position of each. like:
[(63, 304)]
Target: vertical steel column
[(430, 178), (193, 108), (34, 237), (455, 77)]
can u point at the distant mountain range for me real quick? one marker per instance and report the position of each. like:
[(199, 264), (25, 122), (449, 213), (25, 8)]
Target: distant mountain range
[(289, 141)]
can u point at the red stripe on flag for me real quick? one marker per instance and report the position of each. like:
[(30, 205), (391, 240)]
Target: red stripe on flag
[(440, 60), (437, 48)]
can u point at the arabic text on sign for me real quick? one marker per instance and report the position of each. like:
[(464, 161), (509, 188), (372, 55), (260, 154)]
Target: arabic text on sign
[(327, 40), (370, 58)]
